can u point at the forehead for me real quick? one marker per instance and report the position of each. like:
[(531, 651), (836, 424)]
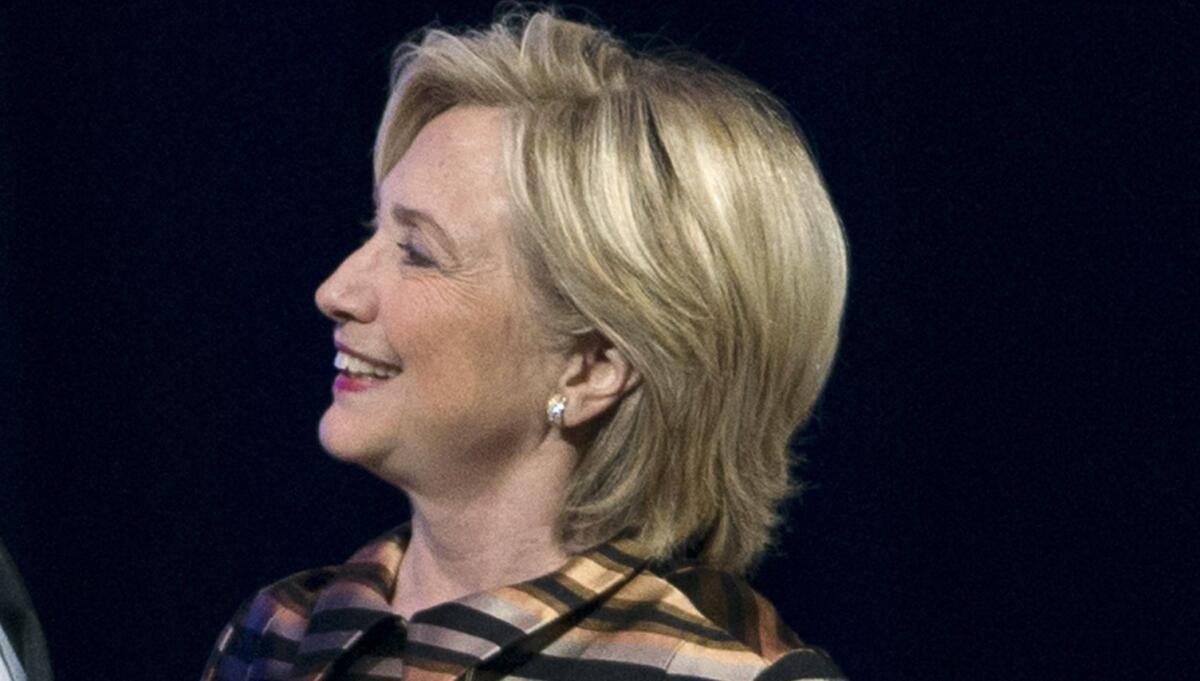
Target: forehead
[(453, 171)]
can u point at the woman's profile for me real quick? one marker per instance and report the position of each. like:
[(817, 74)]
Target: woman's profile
[(601, 291)]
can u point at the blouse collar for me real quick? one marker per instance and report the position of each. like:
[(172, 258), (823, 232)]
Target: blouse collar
[(469, 630)]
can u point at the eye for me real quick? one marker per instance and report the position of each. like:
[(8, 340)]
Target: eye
[(413, 256)]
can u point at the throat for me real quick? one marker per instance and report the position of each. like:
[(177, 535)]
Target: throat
[(438, 569)]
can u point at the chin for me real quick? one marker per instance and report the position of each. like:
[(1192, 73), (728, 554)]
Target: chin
[(343, 439)]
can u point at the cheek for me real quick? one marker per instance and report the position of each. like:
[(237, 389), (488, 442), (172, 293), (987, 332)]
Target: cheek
[(486, 361), (472, 349), (465, 344), (442, 346)]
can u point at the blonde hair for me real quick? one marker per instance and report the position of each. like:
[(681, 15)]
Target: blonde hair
[(673, 207)]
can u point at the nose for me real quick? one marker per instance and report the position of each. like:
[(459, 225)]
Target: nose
[(347, 295)]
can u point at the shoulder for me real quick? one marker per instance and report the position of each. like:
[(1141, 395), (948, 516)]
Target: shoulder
[(289, 598), (269, 624), (266, 631), (752, 638)]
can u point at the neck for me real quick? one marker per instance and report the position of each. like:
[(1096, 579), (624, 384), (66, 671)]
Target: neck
[(467, 541)]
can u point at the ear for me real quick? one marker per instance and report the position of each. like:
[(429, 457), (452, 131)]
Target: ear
[(597, 376)]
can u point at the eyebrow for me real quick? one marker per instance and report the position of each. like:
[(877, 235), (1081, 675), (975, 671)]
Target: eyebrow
[(404, 215)]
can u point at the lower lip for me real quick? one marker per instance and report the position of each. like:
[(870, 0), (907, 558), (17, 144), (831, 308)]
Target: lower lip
[(345, 383)]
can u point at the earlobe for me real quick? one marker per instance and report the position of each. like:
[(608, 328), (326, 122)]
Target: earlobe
[(555, 408)]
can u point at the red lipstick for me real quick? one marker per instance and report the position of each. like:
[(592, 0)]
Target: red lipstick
[(344, 382)]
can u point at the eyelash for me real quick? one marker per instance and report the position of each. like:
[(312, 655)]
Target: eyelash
[(414, 257)]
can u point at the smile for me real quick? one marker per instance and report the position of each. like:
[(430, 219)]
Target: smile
[(361, 367)]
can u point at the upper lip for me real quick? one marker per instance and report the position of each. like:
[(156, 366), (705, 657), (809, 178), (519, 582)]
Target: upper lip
[(342, 347)]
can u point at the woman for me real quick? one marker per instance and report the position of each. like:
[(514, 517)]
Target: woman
[(601, 291)]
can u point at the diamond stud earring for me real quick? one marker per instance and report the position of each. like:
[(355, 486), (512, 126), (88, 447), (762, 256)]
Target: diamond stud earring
[(555, 407)]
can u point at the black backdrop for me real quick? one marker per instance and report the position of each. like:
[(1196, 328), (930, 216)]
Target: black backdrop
[(1002, 459)]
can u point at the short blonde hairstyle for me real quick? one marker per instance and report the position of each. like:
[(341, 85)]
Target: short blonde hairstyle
[(673, 207)]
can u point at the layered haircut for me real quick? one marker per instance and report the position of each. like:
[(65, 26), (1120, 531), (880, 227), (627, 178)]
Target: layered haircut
[(673, 207)]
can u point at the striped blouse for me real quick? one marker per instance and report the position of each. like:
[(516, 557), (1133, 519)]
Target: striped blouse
[(606, 614)]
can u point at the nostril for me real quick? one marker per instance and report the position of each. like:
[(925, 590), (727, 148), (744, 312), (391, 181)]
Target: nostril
[(344, 299)]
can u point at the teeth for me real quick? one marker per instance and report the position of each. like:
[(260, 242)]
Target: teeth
[(354, 365)]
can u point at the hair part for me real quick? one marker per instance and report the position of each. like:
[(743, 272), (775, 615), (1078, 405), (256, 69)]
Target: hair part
[(672, 206)]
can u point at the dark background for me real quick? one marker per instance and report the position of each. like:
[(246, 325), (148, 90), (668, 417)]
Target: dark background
[(1005, 484)]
